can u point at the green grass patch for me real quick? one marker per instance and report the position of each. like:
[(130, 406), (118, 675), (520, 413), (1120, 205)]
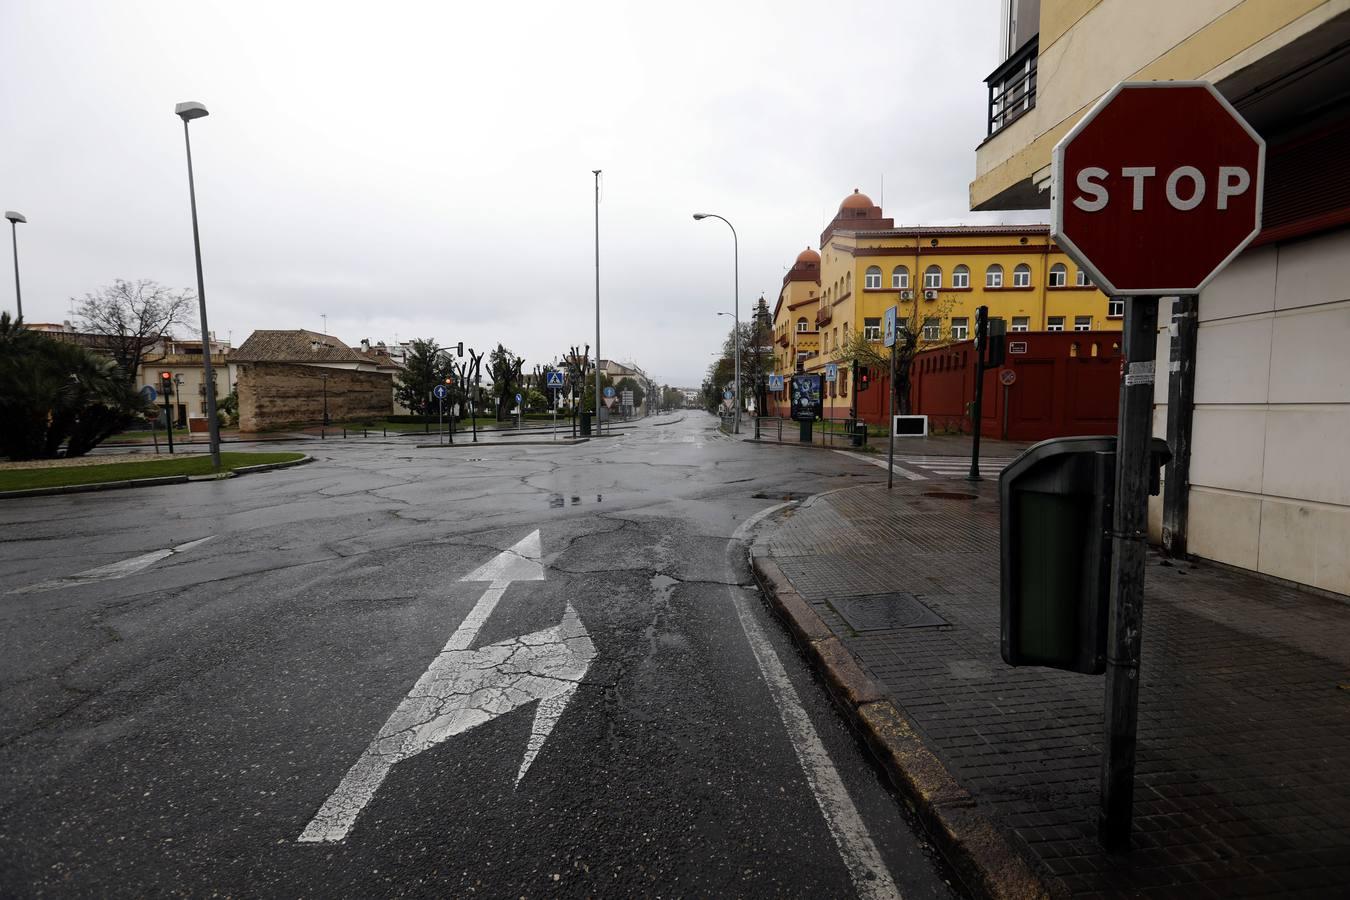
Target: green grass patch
[(196, 464)]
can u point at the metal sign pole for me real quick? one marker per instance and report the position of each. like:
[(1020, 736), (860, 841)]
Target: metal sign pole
[(1129, 535), (168, 422), (440, 416), (890, 457), (977, 409)]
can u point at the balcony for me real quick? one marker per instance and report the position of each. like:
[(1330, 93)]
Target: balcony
[(1012, 87), (823, 315)]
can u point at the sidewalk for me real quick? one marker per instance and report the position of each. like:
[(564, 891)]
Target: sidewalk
[(1243, 783)]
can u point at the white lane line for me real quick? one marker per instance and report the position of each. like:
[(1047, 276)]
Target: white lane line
[(904, 473), (110, 572), (860, 855)]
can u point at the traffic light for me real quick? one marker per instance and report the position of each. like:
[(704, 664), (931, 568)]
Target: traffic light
[(864, 379), (166, 383), (460, 349), (449, 381)]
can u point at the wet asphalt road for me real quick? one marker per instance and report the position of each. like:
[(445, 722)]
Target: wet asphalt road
[(174, 731)]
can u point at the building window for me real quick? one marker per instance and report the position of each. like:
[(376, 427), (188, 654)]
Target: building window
[(801, 324), (848, 282), (1082, 280), (1054, 323), (899, 278), (1059, 275), (872, 328), (932, 330), (932, 277), (834, 338), (960, 328), (1082, 323), (1021, 323), (961, 277), (873, 277), (1115, 307), (993, 276), (1022, 275)]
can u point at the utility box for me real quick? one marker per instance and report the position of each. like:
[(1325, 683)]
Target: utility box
[(1056, 505)]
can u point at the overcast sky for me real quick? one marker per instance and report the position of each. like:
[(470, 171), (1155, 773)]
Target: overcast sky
[(424, 170)]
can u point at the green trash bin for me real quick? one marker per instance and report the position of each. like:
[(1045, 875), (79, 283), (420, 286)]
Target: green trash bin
[(1055, 505), (585, 424)]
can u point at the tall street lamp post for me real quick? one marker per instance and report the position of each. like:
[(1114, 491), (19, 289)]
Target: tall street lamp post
[(14, 219), (596, 173), (736, 293), (188, 111)]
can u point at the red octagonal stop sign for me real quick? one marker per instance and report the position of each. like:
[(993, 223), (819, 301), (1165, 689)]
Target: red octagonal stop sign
[(1158, 187)]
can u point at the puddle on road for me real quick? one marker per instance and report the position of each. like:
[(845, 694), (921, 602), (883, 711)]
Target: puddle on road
[(558, 501)]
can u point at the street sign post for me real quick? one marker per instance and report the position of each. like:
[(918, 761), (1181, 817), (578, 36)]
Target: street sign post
[(892, 315), (1153, 192), (439, 392)]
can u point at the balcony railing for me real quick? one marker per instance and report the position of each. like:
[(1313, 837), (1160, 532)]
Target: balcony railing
[(1012, 87)]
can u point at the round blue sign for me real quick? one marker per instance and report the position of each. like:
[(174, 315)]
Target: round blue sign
[(609, 392), (440, 391), (149, 394)]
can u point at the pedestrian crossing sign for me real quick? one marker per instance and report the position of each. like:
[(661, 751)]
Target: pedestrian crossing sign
[(775, 382), (555, 379)]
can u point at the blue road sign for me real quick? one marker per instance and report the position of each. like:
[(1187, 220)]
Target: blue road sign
[(831, 372), (890, 327), (609, 392), (440, 391), (727, 395), (555, 379), (518, 398), (775, 382), (149, 394)]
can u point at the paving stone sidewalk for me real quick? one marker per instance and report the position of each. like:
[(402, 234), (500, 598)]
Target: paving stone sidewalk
[(1243, 784)]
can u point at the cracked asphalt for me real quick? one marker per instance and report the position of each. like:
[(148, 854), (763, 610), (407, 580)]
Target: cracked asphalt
[(175, 730)]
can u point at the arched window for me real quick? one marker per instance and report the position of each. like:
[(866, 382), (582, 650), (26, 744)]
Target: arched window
[(1082, 280), (993, 276), (873, 277), (1022, 275), (961, 277), (932, 277), (1059, 275), (848, 282), (801, 324), (899, 277)]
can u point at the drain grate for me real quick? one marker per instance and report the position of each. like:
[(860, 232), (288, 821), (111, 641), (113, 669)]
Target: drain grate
[(885, 612), (949, 495)]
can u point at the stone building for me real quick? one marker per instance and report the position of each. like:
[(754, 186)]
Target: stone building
[(301, 377)]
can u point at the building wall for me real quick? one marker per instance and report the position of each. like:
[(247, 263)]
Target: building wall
[(275, 395), (1270, 481), (1089, 46), (188, 394)]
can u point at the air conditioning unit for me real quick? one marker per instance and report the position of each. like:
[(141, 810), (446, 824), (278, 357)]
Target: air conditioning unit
[(930, 294), (906, 295)]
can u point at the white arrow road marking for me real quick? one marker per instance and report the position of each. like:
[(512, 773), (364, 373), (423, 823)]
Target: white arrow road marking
[(464, 688), (859, 852), (111, 571)]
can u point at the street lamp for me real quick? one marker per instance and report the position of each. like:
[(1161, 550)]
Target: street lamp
[(736, 293), (188, 111), (14, 219)]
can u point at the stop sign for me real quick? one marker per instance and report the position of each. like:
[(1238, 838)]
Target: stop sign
[(1157, 188)]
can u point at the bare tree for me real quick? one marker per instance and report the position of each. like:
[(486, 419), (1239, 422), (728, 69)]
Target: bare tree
[(135, 316), (912, 335)]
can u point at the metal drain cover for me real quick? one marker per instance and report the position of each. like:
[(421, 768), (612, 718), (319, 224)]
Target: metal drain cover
[(884, 612), (949, 495)]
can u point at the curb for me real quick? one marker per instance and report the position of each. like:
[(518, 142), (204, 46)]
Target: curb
[(561, 442), (968, 839), (148, 482), (800, 446)]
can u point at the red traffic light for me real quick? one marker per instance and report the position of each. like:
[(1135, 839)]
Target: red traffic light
[(864, 379), (165, 376)]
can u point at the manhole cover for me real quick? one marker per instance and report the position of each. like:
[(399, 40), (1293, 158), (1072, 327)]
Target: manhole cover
[(949, 495), (883, 612)]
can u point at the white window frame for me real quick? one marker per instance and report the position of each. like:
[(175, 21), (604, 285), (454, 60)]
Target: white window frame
[(1081, 279), (1082, 323), (961, 277), (1054, 323), (932, 278), (899, 278), (1021, 323), (993, 276), (803, 325), (873, 278), (1022, 275), (1115, 307), (960, 328), (932, 329), (872, 332), (1059, 275)]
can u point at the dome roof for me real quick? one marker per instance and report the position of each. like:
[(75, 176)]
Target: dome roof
[(856, 200), (808, 256)]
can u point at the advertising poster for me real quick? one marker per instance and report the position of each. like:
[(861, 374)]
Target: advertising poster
[(806, 397)]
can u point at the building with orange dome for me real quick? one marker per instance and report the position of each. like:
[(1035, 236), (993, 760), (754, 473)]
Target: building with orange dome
[(937, 276)]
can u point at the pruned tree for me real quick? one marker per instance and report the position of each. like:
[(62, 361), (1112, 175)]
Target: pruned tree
[(134, 316), (504, 368)]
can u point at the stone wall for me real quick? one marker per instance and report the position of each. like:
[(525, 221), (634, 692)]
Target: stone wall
[(276, 395)]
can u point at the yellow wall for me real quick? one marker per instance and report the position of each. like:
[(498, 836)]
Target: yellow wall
[(1089, 45)]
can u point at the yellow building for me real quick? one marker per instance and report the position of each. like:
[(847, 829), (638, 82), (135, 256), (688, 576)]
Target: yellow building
[(1258, 415), (937, 277)]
